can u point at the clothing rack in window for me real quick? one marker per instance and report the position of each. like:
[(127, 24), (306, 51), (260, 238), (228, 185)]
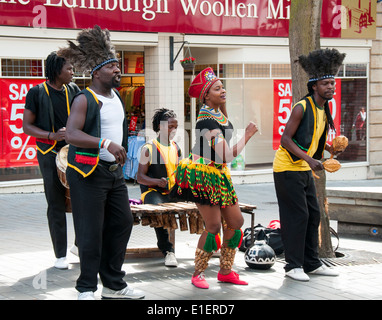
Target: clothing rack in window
[(133, 98)]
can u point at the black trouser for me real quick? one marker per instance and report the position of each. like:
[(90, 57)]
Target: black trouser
[(103, 222), (299, 218), (55, 197), (164, 244)]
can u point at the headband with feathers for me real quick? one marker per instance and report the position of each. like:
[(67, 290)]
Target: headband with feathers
[(93, 51), (321, 64)]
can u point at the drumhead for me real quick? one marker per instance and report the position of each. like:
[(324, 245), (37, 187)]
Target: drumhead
[(62, 158)]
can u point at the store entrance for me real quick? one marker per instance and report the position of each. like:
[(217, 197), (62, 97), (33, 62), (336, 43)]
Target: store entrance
[(132, 91)]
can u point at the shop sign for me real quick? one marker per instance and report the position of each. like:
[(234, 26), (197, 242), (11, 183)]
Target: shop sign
[(282, 105), (340, 18), (17, 149), (351, 19)]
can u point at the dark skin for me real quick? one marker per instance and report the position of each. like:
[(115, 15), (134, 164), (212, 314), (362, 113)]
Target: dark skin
[(167, 130), (323, 91), (104, 80), (29, 118)]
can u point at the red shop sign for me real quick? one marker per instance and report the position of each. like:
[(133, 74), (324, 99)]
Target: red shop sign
[(282, 105), (269, 18), (16, 148)]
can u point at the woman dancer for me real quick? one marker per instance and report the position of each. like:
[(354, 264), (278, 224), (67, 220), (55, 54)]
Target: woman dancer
[(205, 179)]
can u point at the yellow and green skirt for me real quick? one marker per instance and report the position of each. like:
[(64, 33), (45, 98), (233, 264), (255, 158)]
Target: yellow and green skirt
[(203, 182)]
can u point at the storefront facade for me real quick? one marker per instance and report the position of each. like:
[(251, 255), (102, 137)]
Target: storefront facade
[(246, 42)]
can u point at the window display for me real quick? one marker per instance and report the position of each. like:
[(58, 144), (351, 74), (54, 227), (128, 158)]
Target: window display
[(18, 154), (265, 96)]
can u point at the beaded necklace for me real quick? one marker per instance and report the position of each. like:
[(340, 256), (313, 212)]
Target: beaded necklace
[(207, 112)]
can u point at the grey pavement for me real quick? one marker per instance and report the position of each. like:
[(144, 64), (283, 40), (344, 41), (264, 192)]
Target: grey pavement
[(27, 272)]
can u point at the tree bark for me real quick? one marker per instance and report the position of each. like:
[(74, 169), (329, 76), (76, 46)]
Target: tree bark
[(304, 37), (325, 247)]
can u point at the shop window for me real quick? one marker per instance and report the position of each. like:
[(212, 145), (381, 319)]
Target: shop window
[(257, 70), (21, 68), (353, 118), (200, 67), (355, 70), (340, 72), (132, 62), (82, 82), (231, 70), (252, 98), (14, 146), (281, 71)]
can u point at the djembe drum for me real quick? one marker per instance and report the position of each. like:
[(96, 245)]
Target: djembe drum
[(61, 164)]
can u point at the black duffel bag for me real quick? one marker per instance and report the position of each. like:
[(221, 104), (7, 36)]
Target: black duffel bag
[(272, 237)]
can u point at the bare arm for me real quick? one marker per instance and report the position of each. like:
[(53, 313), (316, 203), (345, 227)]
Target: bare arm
[(143, 168), (29, 128), (222, 148), (287, 142)]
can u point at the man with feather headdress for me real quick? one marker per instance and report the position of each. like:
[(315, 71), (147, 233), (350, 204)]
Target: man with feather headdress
[(302, 145), (97, 133)]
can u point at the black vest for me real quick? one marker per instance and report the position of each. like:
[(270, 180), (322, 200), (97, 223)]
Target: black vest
[(45, 116), (157, 168), (306, 131), (85, 160)]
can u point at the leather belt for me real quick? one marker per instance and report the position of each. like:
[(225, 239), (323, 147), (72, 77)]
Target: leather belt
[(111, 166)]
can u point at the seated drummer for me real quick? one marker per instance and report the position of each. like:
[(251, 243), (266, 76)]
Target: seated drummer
[(158, 161)]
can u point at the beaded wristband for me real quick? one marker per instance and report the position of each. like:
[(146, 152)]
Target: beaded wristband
[(107, 143), (100, 143)]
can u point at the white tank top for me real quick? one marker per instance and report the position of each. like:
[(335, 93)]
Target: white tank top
[(112, 116)]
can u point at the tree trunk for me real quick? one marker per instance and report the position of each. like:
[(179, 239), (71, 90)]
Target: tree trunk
[(325, 247), (304, 37)]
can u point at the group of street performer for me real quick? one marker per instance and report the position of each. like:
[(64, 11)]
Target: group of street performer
[(96, 132)]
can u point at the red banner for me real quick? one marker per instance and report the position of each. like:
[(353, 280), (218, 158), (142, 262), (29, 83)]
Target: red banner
[(16, 148), (269, 18), (282, 105)]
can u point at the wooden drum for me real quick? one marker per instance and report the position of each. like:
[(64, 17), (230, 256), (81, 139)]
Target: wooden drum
[(61, 164)]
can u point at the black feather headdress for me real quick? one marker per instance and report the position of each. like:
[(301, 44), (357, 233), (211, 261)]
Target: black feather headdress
[(322, 63), (93, 51)]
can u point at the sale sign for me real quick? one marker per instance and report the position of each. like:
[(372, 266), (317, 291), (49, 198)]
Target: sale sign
[(16, 148), (282, 108)]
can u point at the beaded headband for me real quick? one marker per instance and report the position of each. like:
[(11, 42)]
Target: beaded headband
[(328, 76), (103, 64)]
